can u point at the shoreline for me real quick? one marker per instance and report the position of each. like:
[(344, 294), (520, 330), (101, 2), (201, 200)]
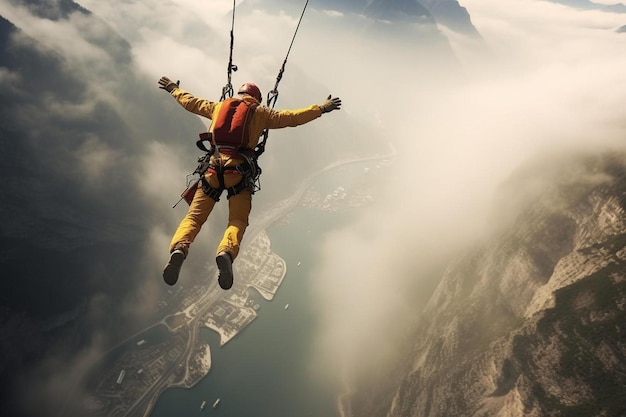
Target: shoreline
[(343, 398), (228, 314)]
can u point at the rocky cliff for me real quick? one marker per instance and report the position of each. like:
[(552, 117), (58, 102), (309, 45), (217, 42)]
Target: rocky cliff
[(531, 321)]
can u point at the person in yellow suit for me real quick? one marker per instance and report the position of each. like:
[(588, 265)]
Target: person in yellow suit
[(237, 124)]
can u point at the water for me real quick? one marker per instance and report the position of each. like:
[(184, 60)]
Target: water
[(266, 370)]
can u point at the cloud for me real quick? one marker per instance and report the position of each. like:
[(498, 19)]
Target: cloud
[(547, 79), (82, 226), (97, 159), (608, 2), (190, 40), (333, 13), (65, 39), (56, 387), (7, 77)]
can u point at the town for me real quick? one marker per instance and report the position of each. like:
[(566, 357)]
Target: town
[(171, 353)]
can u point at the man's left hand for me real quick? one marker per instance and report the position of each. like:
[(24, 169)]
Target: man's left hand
[(168, 85)]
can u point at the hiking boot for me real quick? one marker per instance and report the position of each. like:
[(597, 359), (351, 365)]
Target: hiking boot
[(225, 265), (172, 269)]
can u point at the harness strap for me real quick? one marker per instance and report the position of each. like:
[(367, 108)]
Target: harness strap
[(236, 152), (205, 137), (238, 188), (249, 171), (214, 193)]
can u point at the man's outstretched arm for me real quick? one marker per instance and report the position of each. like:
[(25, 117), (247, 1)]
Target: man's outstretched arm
[(199, 106), (292, 118)]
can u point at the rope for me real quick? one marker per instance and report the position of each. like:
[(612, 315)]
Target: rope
[(227, 90), (272, 95)]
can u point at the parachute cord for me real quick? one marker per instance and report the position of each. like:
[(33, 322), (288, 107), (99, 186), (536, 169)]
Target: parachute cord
[(272, 95), (227, 90)]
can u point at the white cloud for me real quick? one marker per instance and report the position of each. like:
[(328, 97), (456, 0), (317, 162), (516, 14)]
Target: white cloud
[(189, 41), (63, 38), (97, 159), (608, 2), (333, 13)]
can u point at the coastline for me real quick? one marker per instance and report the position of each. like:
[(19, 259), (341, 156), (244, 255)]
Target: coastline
[(272, 270), (183, 359)]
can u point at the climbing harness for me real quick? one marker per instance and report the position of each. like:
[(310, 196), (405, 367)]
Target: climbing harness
[(233, 127), (229, 137), (248, 170)]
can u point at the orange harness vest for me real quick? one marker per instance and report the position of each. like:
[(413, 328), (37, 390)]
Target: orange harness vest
[(230, 128)]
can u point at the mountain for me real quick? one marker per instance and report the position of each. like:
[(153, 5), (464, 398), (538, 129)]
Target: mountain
[(451, 14), (531, 320), (590, 5), (54, 11), (424, 12), (69, 213)]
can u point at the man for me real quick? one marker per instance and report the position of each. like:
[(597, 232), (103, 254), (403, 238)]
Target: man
[(237, 124)]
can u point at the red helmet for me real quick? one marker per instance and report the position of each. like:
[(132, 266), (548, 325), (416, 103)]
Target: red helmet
[(252, 89)]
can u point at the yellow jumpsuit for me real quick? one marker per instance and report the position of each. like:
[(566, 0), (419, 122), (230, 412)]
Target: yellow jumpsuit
[(239, 206)]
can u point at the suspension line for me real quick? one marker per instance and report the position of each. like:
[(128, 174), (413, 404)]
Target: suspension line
[(272, 95), (227, 90)]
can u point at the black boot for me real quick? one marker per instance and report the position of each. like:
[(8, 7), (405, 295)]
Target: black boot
[(225, 265), (172, 269)]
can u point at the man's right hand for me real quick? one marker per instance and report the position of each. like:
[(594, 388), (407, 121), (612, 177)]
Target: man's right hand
[(167, 84)]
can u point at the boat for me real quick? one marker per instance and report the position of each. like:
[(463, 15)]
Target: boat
[(286, 306), (299, 263), (202, 405), (216, 403)]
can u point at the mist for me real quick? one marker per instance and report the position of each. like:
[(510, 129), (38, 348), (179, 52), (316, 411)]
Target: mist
[(544, 79)]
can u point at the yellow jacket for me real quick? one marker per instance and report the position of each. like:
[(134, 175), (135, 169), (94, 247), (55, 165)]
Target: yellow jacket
[(263, 117)]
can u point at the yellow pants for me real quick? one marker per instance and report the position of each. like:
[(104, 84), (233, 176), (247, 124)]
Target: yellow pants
[(239, 207)]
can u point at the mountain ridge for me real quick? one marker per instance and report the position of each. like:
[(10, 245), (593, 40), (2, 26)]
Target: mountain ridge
[(528, 322), (427, 12)]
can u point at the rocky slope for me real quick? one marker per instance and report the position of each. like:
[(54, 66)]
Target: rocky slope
[(530, 322)]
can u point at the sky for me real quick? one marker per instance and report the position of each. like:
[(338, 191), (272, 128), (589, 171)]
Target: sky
[(545, 79)]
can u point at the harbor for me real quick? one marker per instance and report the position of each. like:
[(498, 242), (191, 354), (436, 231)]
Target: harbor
[(198, 354), (266, 370)]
